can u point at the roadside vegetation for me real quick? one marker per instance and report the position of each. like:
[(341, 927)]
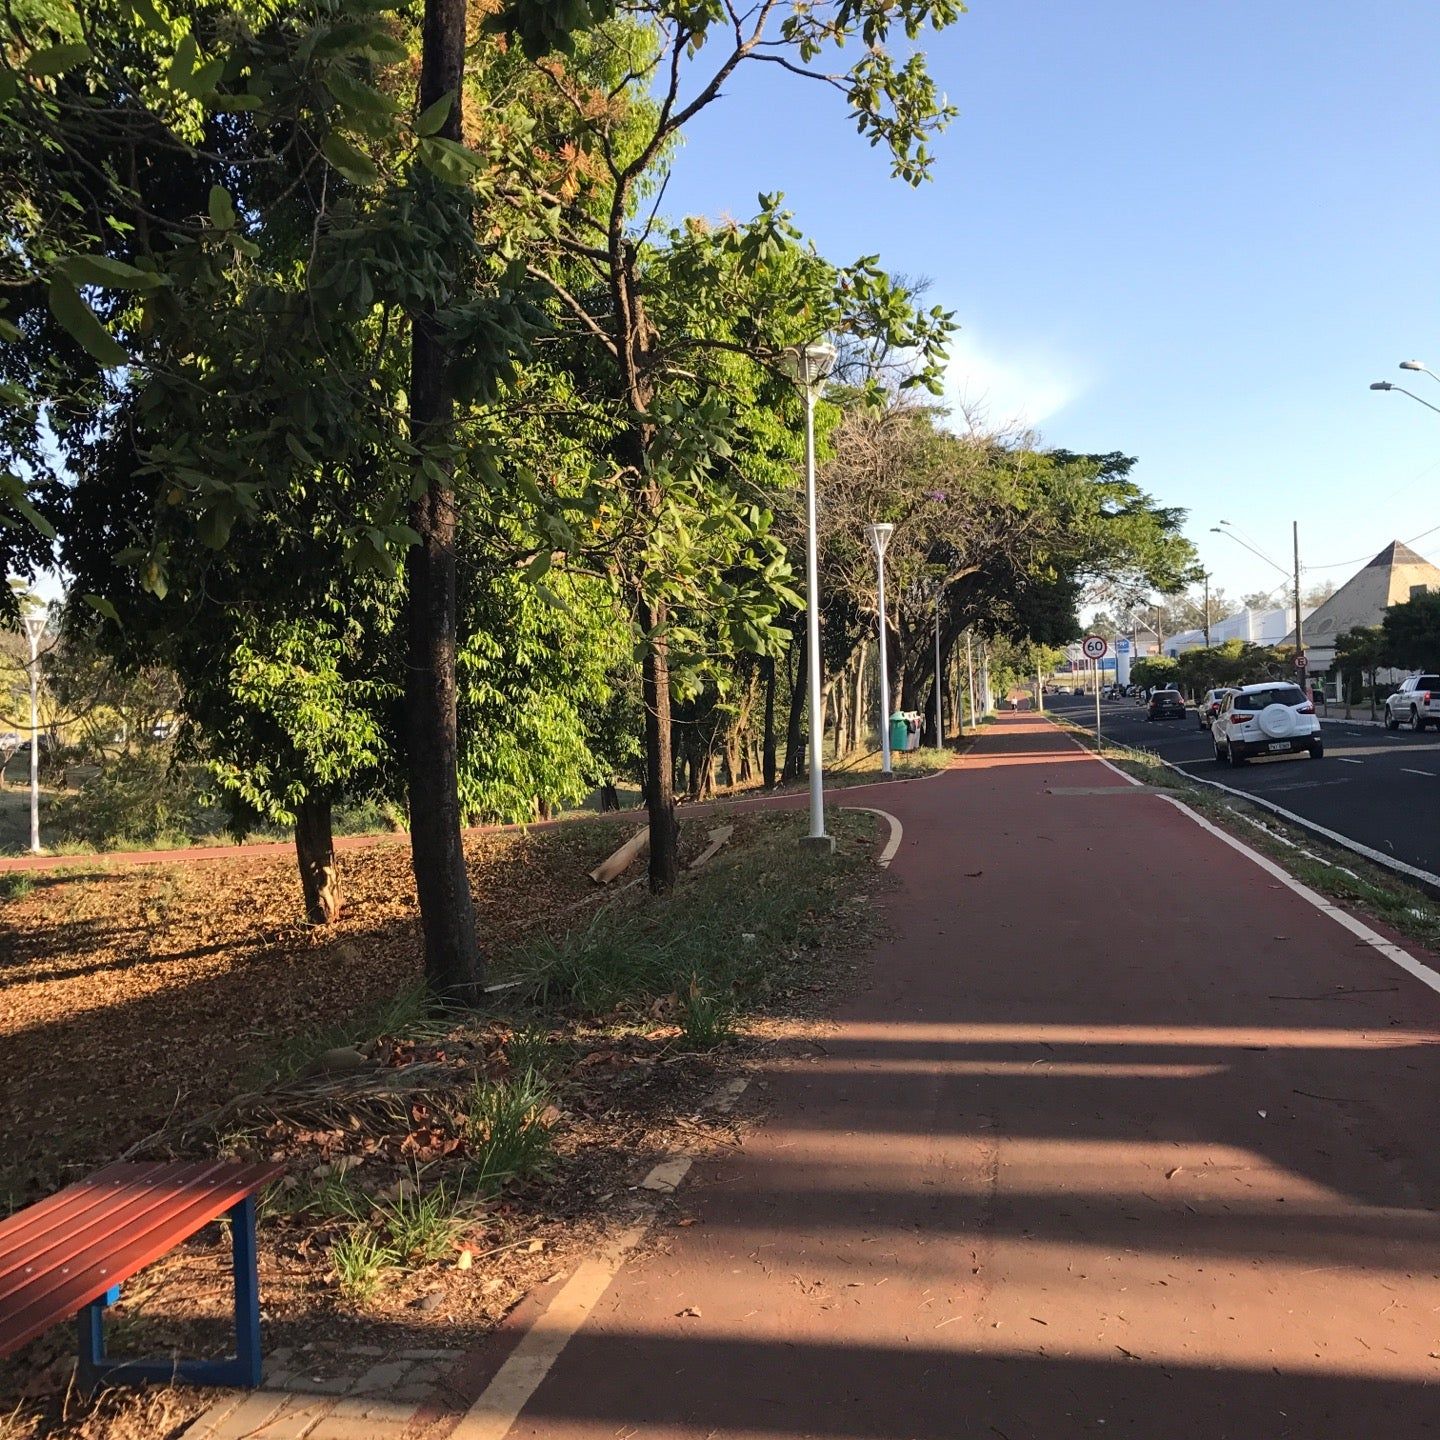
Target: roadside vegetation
[(433, 1160)]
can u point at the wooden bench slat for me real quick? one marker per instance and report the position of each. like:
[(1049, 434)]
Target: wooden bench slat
[(115, 1252), (82, 1213)]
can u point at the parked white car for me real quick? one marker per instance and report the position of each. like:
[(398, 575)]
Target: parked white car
[(1273, 718), (1416, 702)]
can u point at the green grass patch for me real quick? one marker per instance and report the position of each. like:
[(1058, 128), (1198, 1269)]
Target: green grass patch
[(739, 931), (409, 1014), (707, 1019), (507, 1130), (16, 885), (423, 1225), (360, 1259)]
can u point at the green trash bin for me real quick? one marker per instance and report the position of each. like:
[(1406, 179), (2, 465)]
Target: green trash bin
[(899, 732)]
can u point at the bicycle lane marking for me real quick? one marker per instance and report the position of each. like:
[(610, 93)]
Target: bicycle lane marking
[(1392, 952)]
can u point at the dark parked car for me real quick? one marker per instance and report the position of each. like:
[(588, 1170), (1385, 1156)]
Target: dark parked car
[(1166, 705)]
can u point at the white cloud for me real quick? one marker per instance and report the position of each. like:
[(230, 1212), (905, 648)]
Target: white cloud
[(1016, 388)]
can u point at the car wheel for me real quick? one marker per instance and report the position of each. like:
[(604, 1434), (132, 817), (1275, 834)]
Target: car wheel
[(1415, 719), (1236, 758), (1391, 723), (1219, 755), (1317, 750)]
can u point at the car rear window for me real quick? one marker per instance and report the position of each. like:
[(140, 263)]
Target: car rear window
[(1428, 682), (1276, 695)]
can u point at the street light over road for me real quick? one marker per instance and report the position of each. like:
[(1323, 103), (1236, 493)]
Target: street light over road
[(1388, 385), (808, 366)]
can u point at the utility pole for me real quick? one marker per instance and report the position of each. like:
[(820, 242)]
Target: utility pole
[(1299, 632), (1207, 609)]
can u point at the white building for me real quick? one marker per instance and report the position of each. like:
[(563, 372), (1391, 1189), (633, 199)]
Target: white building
[(1256, 627)]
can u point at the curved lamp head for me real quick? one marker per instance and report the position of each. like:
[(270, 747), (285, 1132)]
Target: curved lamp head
[(35, 622), (1381, 385), (809, 365), (1413, 365), (879, 538)]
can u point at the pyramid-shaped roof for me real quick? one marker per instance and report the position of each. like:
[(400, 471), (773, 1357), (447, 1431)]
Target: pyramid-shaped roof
[(1362, 600)]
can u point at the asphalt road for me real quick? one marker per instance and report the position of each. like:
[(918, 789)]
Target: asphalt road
[(1379, 787)]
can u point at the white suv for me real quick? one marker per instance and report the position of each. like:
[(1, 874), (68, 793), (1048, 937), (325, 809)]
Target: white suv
[(1270, 719)]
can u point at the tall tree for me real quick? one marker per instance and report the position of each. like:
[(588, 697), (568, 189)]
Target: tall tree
[(680, 58)]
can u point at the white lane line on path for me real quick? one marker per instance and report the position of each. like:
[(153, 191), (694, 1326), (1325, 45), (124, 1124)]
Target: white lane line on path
[(1389, 862), (499, 1406), (1407, 962), (896, 831), (1392, 952), (1404, 771), (1345, 760)]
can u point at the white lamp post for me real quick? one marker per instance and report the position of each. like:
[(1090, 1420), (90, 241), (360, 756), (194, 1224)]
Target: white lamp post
[(879, 539), (34, 622), (807, 366)]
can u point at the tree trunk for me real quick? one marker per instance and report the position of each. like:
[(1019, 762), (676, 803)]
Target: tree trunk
[(452, 965), (794, 740), (659, 791), (315, 850), (767, 759), (858, 706)]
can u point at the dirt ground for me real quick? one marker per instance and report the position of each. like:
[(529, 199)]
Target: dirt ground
[(166, 1010)]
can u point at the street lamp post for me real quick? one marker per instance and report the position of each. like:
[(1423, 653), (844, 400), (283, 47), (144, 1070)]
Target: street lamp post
[(879, 539), (939, 713), (807, 366), (1386, 385), (34, 628)]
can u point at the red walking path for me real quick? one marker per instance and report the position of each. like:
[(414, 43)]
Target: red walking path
[(1122, 1137)]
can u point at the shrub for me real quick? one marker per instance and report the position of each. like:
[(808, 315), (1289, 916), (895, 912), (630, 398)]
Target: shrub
[(137, 798), (507, 1128)]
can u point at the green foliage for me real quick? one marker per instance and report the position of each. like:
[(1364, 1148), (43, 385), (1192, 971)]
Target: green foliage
[(16, 886), (136, 799), (1411, 633), (360, 1259), (424, 1223), (1236, 662), (507, 1130), (707, 1019), (718, 936), (1154, 671)]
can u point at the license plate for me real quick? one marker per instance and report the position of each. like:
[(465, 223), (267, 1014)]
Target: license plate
[(1278, 745)]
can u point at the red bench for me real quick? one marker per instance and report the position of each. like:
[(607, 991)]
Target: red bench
[(69, 1255)]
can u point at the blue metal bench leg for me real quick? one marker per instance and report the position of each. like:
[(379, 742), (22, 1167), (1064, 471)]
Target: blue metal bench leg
[(247, 1293), (243, 1370), (90, 1328)]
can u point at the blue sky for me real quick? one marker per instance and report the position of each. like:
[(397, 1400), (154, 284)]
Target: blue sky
[(1194, 233)]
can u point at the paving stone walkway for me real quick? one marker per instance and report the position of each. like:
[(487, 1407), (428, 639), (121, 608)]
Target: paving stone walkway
[(360, 1392)]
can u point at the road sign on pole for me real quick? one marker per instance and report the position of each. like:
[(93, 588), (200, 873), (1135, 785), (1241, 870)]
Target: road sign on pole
[(1096, 647), (1302, 660)]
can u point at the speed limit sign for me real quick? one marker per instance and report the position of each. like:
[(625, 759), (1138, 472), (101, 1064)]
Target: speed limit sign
[(1095, 647)]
